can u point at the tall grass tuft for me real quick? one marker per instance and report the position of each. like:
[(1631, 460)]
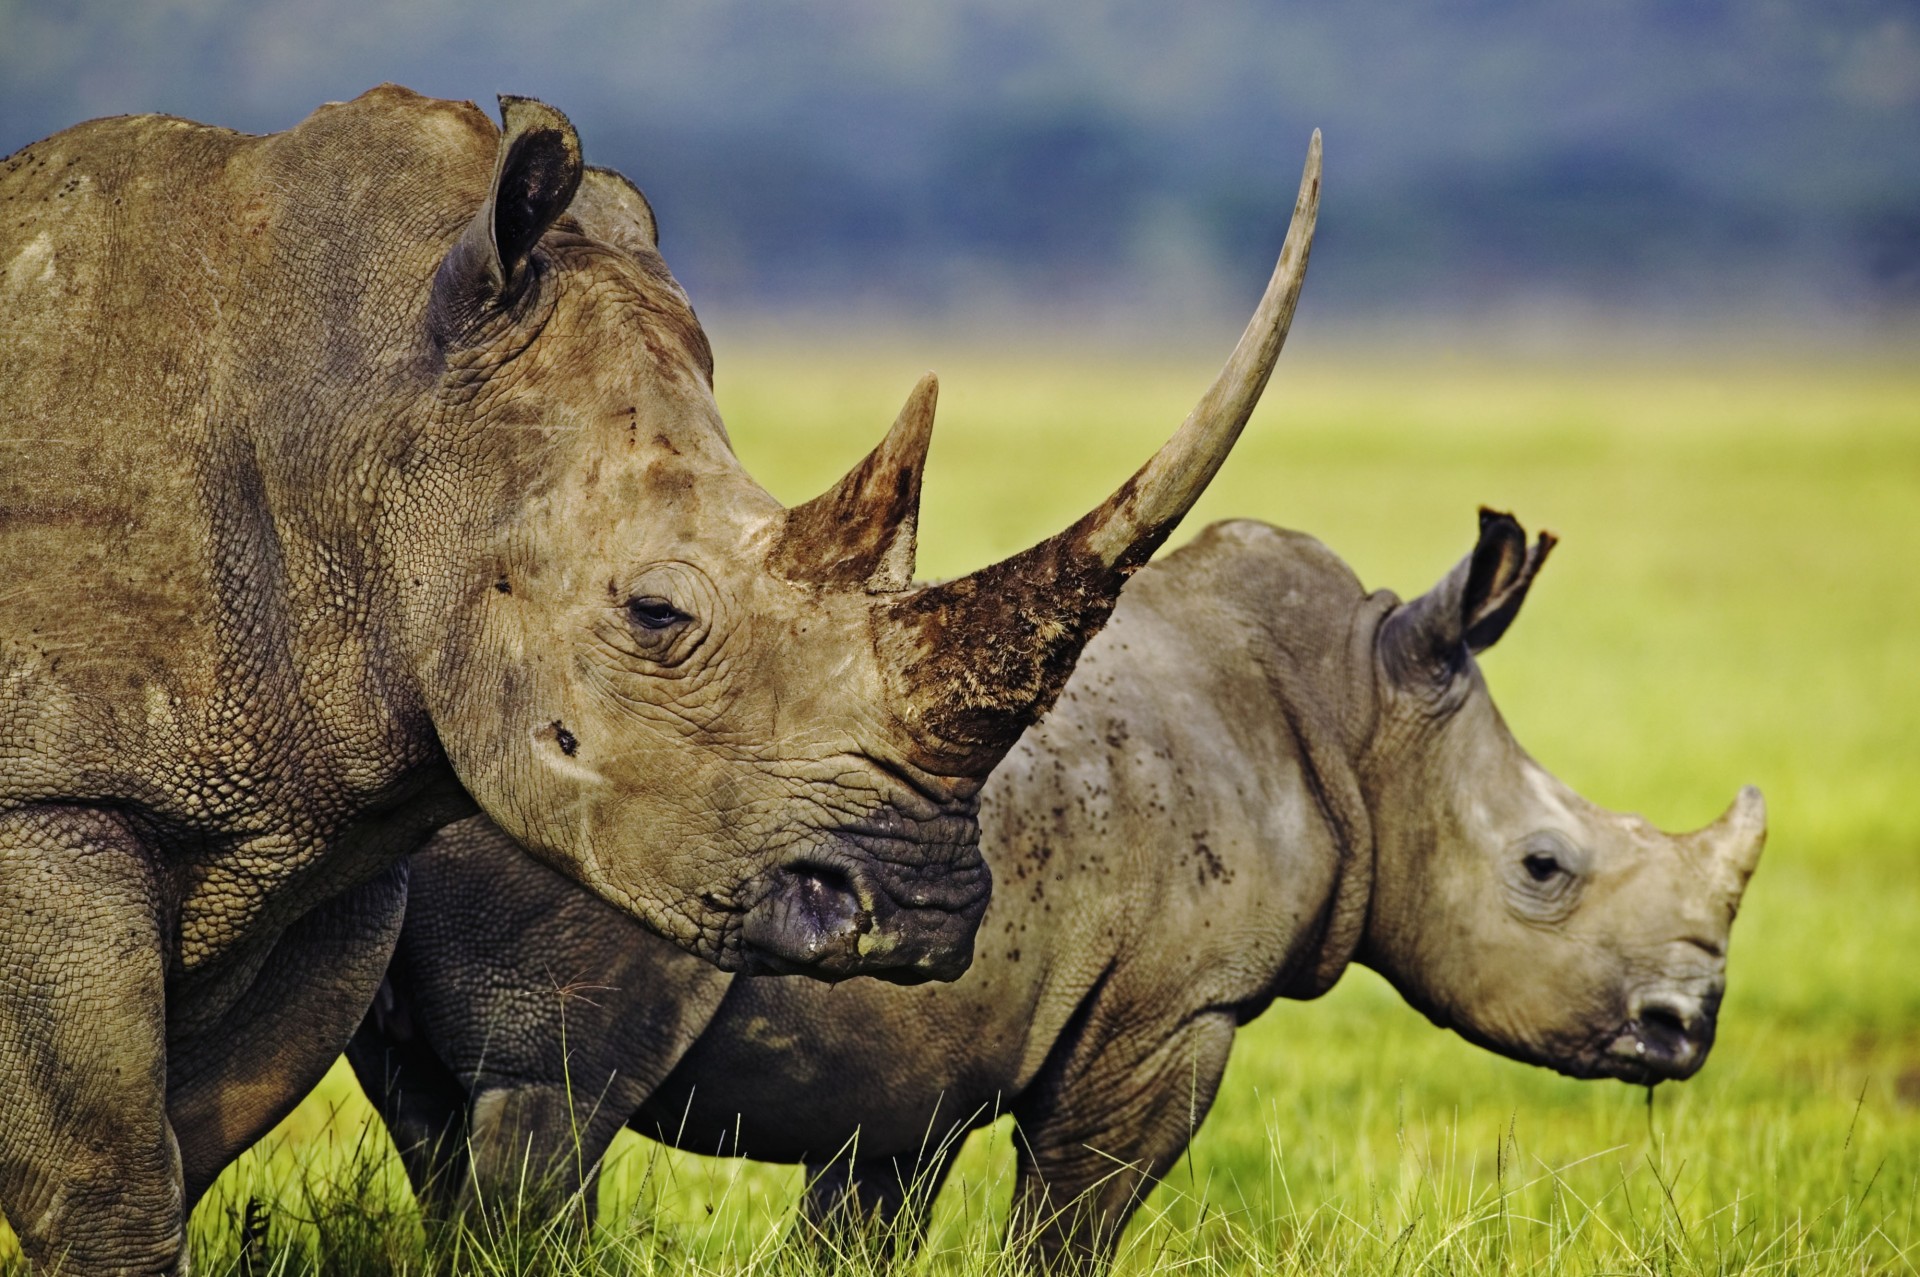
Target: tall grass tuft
[(1446, 1207)]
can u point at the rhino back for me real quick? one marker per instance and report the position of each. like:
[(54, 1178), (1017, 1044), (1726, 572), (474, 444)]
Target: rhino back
[(108, 389), (204, 333), (1155, 846)]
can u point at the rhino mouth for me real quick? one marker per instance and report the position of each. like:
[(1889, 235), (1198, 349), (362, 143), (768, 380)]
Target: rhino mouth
[(870, 901), (1656, 1047), (1655, 1044), (1658, 1040)]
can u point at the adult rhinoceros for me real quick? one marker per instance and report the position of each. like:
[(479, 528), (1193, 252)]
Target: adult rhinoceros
[(366, 472), (1258, 773)]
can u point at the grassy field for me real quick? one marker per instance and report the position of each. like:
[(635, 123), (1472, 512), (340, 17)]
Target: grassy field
[(1734, 600)]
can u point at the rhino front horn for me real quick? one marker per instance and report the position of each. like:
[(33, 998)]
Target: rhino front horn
[(985, 655), (860, 532)]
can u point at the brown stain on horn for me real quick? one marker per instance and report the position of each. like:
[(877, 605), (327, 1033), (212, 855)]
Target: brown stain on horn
[(988, 654), (985, 656)]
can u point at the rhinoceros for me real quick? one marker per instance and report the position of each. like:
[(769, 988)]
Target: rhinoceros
[(1258, 773), (367, 475)]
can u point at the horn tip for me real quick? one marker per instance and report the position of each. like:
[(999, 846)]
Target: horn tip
[(916, 415), (1307, 203), (1745, 820)]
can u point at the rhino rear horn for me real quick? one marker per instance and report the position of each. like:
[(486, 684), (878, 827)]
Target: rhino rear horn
[(1734, 842), (536, 171), (984, 656), (861, 531), (1472, 606)]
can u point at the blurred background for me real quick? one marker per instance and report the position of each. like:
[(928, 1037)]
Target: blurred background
[(1543, 171)]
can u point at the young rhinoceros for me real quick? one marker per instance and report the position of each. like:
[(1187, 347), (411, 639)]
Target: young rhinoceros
[(1258, 773), (366, 475)]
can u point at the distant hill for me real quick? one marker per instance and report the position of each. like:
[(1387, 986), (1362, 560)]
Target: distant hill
[(942, 157)]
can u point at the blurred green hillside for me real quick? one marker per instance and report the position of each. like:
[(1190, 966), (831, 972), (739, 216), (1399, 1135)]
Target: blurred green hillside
[(973, 156)]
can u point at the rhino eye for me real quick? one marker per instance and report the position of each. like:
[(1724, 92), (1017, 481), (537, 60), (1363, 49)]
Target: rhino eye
[(654, 614), (1544, 877)]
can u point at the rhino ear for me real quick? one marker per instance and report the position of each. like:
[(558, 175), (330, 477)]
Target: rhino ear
[(1500, 574), (535, 174), (1471, 607), (611, 208)]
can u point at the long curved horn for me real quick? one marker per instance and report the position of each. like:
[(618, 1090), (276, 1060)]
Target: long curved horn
[(985, 655), (1149, 506), (860, 532)]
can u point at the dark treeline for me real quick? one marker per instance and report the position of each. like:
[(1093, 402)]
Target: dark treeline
[(1700, 157)]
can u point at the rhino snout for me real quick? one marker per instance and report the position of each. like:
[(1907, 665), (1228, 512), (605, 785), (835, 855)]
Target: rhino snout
[(831, 918), (810, 911), (1667, 1036)]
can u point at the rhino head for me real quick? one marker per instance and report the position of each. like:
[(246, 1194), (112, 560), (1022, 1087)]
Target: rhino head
[(1506, 906), (744, 724)]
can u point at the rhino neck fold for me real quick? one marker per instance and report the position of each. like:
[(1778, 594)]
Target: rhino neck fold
[(1330, 740)]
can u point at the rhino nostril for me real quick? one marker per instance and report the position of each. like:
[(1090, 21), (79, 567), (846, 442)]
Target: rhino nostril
[(1664, 1019), (825, 893), (1674, 1031)]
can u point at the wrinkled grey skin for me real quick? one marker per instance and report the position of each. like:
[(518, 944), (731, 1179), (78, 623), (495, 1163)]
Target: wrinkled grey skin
[(1258, 773), (366, 475)]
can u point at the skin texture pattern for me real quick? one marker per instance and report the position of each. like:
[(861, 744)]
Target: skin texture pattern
[(1259, 773), (367, 475)]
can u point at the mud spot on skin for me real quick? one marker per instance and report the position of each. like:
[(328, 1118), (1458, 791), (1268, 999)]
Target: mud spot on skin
[(1211, 867), (669, 483), (569, 744)]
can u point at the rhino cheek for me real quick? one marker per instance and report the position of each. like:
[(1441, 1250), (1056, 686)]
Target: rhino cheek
[(676, 869), (1540, 993), (1552, 1002)]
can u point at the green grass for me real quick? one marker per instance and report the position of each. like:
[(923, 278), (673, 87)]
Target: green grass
[(1734, 600)]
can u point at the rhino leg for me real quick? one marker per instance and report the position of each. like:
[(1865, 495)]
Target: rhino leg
[(1110, 1114), (881, 1202), (537, 1148), (511, 1147), (417, 1096), (89, 1172), (512, 987), (231, 1082)]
